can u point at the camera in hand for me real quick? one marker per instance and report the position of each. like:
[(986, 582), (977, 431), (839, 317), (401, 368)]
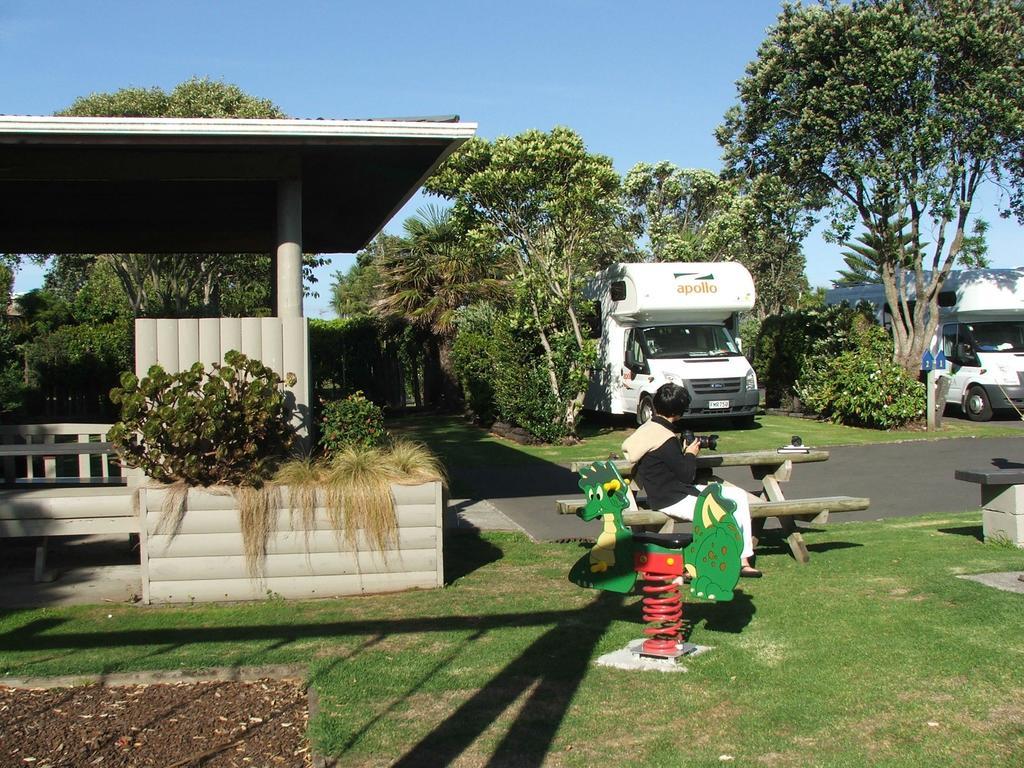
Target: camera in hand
[(707, 442)]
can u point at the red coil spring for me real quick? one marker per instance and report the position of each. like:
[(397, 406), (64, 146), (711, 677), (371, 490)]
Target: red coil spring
[(663, 611)]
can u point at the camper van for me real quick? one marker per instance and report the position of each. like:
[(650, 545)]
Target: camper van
[(672, 322), (980, 333)]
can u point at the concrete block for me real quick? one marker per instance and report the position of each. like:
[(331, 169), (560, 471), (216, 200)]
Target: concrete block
[(1003, 498), (997, 525)]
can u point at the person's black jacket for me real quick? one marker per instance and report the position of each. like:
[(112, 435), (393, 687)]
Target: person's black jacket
[(659, 463)]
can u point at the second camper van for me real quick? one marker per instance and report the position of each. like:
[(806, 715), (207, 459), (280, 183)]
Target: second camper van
[(980, 333), (672, 322)]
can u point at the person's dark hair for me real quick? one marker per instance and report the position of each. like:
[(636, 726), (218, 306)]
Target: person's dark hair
[(671, 400)]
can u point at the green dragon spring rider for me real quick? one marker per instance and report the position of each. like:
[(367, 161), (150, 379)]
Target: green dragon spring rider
[(710, 557)]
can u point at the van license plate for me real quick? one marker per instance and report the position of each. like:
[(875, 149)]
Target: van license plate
[(712, 404)]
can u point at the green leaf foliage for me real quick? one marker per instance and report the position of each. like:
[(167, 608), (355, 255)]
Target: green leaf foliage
[(862, 386), (355, 354), (473, 358), (786, 342), (553, 211), (878, 108), (672, 206), (11, 384), (500, 365), (230, 425), (351, 422), (75, 341), (196, 97)]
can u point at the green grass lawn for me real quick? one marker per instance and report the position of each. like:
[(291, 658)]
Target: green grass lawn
[(872, 654)]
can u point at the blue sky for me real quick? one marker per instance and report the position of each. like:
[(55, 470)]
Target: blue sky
[(640, 81)]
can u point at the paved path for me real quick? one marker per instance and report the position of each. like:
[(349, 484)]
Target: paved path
[(909, 478)]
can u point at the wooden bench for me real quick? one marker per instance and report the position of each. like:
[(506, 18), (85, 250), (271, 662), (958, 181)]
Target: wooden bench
[(1002, 502), (93, 501), (771, 468), (27, 448)]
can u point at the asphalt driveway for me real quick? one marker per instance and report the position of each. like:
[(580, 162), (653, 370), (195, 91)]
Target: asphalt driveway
[(901, 479)]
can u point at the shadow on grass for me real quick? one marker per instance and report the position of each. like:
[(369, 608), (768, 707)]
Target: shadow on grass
[(773, 542), (731, 617), (464, 552), (553, 666), (550, 669), (974, 531)]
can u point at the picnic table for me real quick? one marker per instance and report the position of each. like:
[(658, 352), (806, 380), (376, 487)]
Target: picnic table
[(772, 469)]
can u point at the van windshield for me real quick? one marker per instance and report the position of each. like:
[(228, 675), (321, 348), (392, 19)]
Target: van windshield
[(1002, 336), (688, 341)]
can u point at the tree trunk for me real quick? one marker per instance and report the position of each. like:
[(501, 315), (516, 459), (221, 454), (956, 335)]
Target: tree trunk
[(451, 390), (431, 374)]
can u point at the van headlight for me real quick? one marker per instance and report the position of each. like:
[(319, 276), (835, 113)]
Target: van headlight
[(751, 380)]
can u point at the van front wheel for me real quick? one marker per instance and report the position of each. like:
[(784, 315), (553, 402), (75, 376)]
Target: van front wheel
[(644, 410), (977, 405)]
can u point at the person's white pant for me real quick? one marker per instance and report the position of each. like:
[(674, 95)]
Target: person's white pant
[(683, 510)]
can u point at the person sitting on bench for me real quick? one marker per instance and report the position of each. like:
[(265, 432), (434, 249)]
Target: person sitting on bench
[(666, 470)]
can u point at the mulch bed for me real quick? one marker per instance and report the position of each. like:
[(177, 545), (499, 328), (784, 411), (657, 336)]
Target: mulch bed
[(255, 724)]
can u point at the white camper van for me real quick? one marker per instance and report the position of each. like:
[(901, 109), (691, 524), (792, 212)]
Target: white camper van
[(672, 322), (980, 333)]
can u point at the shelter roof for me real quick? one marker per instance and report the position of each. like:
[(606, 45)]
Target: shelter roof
[(100, 184)]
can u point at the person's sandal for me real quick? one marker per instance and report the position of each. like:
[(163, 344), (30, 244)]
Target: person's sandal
[(750, 572)]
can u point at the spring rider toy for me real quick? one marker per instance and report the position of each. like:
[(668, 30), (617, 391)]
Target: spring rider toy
[(711, 557)]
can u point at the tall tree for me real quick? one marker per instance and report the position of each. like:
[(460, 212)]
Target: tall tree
[(11, 378), (863, 259), (671, 206), (917, 101), (434, 273), (554, 209), (761, 226), (698, 215), (182, 283)]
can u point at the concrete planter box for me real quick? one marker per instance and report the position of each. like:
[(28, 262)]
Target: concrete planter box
[(204, 562)]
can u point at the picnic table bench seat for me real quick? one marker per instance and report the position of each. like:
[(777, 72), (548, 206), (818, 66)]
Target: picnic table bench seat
[(815, 509), (771, 468)]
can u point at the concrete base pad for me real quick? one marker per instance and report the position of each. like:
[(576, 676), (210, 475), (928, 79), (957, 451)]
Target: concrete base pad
[(478, 515), (1008, 581), (630, 658)]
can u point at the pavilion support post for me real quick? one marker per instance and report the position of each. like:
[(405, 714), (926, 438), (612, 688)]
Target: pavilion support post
[(289, 248)]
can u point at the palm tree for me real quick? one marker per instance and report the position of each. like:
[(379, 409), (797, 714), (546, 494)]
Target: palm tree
[(864, 259), (425, 282)]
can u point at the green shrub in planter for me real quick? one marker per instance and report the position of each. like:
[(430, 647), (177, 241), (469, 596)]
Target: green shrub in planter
[(352, 421), (228, 426)]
